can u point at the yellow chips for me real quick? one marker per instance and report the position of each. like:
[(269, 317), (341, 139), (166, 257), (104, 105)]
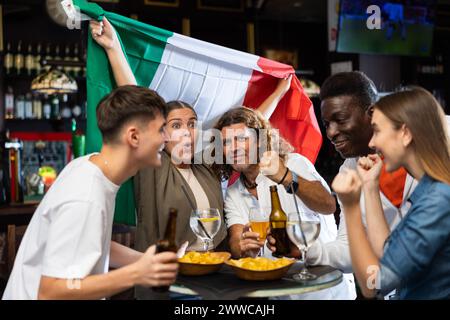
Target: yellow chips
[(202, 258), (260, 263)]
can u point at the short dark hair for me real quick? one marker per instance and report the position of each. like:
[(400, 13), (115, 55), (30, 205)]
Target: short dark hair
[(127, 103), (354, 84)]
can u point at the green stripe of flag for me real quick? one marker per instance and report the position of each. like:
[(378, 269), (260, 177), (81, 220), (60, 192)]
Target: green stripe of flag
[(143, 46)]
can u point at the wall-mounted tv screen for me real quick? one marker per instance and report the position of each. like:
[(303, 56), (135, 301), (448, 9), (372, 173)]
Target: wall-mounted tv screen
[(404, 27)]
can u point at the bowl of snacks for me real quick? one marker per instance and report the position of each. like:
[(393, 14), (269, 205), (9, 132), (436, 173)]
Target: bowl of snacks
[(195, 263), (260, 268)]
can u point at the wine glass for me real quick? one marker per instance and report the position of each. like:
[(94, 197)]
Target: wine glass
[(259, 222), (205, 223), (303, 231)]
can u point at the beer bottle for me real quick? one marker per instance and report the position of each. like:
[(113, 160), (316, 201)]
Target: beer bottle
[(37, 59), (29, 61), (168, 242), (278, 221), (9, 59), (19, 62)]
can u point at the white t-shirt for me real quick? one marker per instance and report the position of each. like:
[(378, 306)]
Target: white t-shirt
[(69, 235)]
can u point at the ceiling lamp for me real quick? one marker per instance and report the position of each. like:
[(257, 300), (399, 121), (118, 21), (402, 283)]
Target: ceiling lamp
[(54, 81)]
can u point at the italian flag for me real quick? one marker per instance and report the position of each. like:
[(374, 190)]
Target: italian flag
[(212, 78)]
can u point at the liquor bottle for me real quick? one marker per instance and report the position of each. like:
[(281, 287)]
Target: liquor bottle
[(20, 107), (76, 71), (37, 59), (28, 106), (9, 103), (48, 56), (58, 57), (278, 221), (9, 59), (167, 243), (83, 69), (67, 57), (55, 108), (15, 169), (19, 62), (47, 108), (29, 61), (37, 107), (4, 169), (66, 112), (76, 111)]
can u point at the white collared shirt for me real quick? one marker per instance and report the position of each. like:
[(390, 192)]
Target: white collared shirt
[(239, 200)]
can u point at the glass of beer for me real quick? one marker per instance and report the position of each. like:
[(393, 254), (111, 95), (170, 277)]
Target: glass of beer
[(259, 222)]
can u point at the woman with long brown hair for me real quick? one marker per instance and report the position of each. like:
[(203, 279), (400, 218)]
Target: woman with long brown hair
[(409, 131)]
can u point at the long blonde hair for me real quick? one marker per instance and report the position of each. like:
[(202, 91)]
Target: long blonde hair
[(421, 113)]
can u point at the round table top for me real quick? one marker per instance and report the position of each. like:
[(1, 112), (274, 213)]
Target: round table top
[(225, 285)]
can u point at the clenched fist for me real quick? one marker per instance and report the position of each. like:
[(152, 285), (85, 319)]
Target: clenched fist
[(347, 185), (272, 166), (369, 169)]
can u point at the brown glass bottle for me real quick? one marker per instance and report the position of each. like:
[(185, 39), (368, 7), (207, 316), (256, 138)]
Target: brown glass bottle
[(167, 243), (278, 221)]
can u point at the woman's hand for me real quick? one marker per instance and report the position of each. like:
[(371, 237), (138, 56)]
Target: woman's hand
[(104, 34), (369, 169), (249, 243), (283, 86), (347, 185)]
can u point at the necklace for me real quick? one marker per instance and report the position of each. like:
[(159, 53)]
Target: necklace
[(248, 184)]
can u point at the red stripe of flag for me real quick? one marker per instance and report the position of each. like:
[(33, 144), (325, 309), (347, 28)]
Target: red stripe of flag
[(294, 115)]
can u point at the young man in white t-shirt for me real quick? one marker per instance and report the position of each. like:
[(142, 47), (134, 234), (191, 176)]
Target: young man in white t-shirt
[(67, 249)]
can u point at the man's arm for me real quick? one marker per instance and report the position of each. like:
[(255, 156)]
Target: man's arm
[(334, 253), (105, 35), (313, 195), (150, 270), (121, 255)]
